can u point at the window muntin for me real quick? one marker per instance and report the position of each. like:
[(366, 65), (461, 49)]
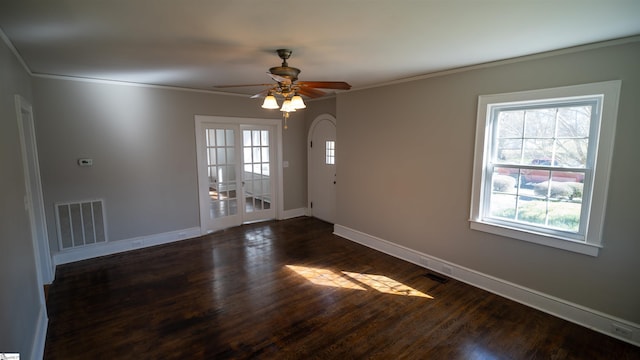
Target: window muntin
[(528, 140)]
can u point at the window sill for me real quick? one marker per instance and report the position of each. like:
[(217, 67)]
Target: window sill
[(564, 244)]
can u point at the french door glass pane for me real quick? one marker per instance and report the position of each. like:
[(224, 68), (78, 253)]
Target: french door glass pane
[(222, 175), (256, 170)]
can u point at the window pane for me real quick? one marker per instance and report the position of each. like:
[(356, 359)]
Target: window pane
[(265, 154), (536, 150), (564, 215), (255, 137), (256, 154), (504, 180), (246, 138), (230, 138), (532, 210), (233, 207), (222, 156), (211, 140), (220, 137), (223, 173), (247, 155), (509, 151), (503, 206), (572, 152), (231, 173), (212, 175), (330, 152), (265, 138), (574, 121), (257, 187), (540, 123), (510, 124), (231, 155), (211, 156)]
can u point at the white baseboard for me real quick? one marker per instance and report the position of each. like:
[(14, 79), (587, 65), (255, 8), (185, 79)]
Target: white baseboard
[(40, 337), (114, 247), (293, 213), (581, 315)]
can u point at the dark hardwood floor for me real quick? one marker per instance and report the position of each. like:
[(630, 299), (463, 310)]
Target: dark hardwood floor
[(292, 290)]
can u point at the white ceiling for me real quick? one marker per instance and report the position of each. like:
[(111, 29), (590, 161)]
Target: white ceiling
[(203, 43)]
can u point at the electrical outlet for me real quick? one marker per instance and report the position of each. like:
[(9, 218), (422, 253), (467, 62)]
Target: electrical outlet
[(621, 331)]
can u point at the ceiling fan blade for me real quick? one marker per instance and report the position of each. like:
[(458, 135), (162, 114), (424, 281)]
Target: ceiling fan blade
[(339, 85), (262, 93), (280, 79), (246, 85), (310, 92)]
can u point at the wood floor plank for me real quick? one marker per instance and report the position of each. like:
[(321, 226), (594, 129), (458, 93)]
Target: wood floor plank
[(292, 290)]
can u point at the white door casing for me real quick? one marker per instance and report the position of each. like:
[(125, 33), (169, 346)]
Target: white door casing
[(34, 202), (321, 170)]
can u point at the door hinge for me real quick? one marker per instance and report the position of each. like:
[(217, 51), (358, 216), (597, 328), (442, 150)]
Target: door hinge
[(311, 144), (311, 204)]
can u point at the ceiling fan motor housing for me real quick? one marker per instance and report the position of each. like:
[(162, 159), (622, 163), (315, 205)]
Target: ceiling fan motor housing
[(284, 70), (290, 73)]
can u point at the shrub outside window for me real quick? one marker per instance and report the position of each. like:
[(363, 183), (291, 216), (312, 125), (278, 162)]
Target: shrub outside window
[(542, 163)]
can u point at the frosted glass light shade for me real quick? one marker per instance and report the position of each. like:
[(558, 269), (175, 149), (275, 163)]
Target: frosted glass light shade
[(287, 107), (270, 102), (297, 102)]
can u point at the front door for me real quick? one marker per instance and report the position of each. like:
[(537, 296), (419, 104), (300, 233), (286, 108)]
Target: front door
[(322, 168)]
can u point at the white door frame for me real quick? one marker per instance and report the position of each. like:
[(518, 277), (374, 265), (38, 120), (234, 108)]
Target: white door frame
[(316, 121), (201, 122), (34, 202)]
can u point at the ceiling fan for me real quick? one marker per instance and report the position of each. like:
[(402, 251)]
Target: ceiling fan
[(288, 86)]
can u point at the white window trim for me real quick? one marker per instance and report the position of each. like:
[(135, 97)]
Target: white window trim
[(593, 235)]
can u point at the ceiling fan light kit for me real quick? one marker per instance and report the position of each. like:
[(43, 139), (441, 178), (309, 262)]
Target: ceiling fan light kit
[(288, 86)]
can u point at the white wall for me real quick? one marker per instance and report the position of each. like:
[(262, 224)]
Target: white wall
[(22, 316), (418, 152)]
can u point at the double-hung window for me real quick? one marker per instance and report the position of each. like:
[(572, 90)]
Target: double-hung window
[(542, 162)]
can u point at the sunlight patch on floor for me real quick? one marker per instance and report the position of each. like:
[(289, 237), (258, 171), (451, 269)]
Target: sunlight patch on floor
[(386, 285), (325, 277), (356, 281)]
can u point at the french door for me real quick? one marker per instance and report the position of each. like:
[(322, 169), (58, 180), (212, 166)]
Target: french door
[(237, 174)]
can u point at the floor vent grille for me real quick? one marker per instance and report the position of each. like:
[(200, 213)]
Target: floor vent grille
[(81, 223)]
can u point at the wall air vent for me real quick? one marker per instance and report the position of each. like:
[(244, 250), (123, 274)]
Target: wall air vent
[(80, 223)]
